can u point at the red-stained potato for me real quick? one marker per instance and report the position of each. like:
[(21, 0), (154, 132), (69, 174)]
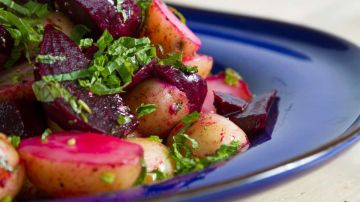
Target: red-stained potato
[(165, 29), (72, 164), (203, 62), (10, 181), (171, 106), (156, 156), (211, 131)]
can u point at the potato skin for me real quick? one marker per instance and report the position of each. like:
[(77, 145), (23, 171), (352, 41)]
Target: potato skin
[(171, 106), (68, 179), (211, 131), (165, 29), (156, 156), (10, 182)]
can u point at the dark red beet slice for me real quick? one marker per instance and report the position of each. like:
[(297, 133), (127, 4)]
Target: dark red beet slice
[(142, 74), (90, 52), (6, 44), (192, 85), (106, 109), (217, 83), (254, 118), (21, 118), (226, 103), (101, 15)]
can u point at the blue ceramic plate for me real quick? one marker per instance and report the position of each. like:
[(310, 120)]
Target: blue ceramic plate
[(318, 80)]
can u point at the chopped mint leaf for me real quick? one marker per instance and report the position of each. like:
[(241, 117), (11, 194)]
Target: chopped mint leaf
[(223, 153), (232, 77), (15, 141), (103, 42), (108, 177), (160, 175), (122, 120), (155, 138), (178, 14), (140, 180), (48, 91), (86, 43), (71, 76), (38, 9), (145, 109), (175, 60), (78, 32), (26, 32), (15, 7), (71, 142), (45, 134), (191, 118), (123, 12), (49, 59)]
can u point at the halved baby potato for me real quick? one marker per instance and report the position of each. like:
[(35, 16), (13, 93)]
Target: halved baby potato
[(204, 64), (211, 131), (165, 29), (157, 159), (10, 180), (72, 164), (171, 106)]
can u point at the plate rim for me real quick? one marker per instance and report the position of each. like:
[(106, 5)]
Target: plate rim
[(300, 162)]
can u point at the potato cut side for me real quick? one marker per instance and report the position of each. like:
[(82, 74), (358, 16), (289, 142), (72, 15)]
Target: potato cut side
[(204, 63), (72, 164), (165, 29)]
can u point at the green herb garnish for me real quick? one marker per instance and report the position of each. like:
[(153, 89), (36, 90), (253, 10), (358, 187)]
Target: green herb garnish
[(108, 177), (232, 77), (160, 175), (6, 199), (86, 43), (140, 180), (145, 109), (45, 135), (49, 91), (15, 141), (181, 150), (122, 119), (175, 60), (49, 59), (124, 13), (155, 138)]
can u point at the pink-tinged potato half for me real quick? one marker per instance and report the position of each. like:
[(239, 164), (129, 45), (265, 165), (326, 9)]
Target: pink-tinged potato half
[(217, 83), (72, 164), (203, 62), (171, 106), (10, 182), (157, 158), (211, 131), (165, 29)]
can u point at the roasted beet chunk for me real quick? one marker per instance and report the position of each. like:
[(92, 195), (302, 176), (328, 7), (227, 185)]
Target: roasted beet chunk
[(6, 44), (21, 118), (101, 15), (226, 103), (105, 109), (191, 84), (255, 116), (142, 74)]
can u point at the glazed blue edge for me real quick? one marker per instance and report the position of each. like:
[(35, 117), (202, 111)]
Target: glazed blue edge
[(259, 179)]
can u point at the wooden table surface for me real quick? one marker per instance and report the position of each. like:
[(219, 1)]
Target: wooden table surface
[(338, 180)]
